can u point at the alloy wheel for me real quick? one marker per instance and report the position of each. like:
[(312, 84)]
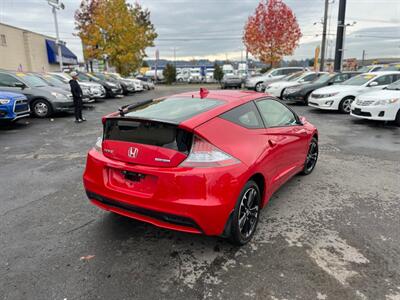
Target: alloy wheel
[(41, 109), (347, 105), (248, 212), (259, 87), (312, 156)]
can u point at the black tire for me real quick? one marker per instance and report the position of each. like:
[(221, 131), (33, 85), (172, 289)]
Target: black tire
[(41, 108), (281, 96), (258, 87), (306, 98), (246, 215), (397, 120), (311, 158), (344, 105)]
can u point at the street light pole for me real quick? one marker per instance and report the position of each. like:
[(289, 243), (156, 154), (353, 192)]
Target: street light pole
[(323, 44), (58, 42)]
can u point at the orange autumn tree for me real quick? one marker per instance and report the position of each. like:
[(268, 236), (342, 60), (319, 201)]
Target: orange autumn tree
[(116, 29), (272, 32)]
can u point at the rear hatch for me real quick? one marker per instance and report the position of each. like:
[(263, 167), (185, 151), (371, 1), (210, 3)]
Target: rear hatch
[(149, 133), (145, 142)]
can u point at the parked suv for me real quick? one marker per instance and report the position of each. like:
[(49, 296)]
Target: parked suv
[(13, 106), (44, 100), (256, 83), (112, 89)]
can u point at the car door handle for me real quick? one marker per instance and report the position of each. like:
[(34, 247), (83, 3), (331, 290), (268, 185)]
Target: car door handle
[(271, 143), (302, 132)]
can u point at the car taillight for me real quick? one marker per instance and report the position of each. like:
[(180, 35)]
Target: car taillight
[(99, 144), (204, 155)]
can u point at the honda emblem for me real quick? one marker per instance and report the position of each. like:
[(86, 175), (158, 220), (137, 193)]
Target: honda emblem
[(133, 152)]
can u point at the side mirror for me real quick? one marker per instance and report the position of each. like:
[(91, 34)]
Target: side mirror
[(20, 85), (303, 120), (373, 83)]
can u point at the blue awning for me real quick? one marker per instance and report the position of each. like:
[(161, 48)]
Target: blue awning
[(68, 57)]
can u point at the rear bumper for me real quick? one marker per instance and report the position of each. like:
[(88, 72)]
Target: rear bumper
[(190, 200)]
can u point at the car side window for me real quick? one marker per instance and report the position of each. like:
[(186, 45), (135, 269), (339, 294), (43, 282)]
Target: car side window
[(276, 114), (384, 80), (245, 115), (8, 80)]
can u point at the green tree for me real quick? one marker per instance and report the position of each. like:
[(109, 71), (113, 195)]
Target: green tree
[(116, 29), (169, 74), (218, 73)]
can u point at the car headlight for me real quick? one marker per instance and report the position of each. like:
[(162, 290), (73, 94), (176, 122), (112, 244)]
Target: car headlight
[(59, 96), (387, 101), (5, 101), (328, 95), (292, 90)]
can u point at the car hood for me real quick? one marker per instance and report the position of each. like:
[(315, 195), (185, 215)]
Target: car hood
[(283, 84), (380, 94), (10, 95), (338, 89), (53, 89)]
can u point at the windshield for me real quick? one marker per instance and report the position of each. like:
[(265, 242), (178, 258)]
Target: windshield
[(64, 78), (101, 76), (172, 110), (364, 69), (53, 81), (394, 86), (86, 77), (324, 78), (359, 79), (293, 77), (32, 80)]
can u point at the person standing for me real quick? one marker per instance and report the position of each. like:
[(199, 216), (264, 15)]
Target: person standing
[(77, 96)]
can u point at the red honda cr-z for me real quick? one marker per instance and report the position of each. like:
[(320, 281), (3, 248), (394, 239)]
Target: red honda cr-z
[(199, 162)]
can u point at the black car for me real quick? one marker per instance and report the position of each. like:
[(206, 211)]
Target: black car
[(301, 92), (112, 89)]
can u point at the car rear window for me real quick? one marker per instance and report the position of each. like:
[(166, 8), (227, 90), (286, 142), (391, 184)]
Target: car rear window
[(174, 109)]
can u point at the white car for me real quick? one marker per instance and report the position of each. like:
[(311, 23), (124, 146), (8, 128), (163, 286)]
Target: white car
[(256, 83), (383, 105), (276, 88), (340, 96), (136, 84), (210, 76), (371, 68)]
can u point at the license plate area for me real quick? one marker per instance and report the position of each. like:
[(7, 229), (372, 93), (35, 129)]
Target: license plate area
[(133, 176), (132, 181)]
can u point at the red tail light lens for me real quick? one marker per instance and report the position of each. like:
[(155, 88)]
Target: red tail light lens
[(205, 155)]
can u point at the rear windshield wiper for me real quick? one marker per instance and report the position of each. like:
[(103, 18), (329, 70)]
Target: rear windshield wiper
[(124, 109)]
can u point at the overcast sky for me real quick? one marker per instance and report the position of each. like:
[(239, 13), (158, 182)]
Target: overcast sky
[(213, 28)]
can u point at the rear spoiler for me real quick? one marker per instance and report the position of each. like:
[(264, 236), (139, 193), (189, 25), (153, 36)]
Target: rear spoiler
[(124, 109)]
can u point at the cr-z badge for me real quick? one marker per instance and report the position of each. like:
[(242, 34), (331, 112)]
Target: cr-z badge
[(133, 152)]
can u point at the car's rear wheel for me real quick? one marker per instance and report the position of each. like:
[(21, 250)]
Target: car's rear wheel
[(345, 105), (41, 108), (397, 120), (246, 214), (312, 157), (258, 87)]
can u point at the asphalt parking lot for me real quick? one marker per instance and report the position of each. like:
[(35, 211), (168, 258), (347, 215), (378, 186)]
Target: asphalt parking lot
[(331, 235)]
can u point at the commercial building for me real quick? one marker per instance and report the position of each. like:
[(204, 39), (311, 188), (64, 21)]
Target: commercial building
[(25, 50)]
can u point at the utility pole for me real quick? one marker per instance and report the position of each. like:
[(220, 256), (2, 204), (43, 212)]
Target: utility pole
[(339, 36), (323, 44), (56, 4), (363, 58)]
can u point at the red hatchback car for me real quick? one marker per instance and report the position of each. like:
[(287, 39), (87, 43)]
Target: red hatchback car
[(201, 162)]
